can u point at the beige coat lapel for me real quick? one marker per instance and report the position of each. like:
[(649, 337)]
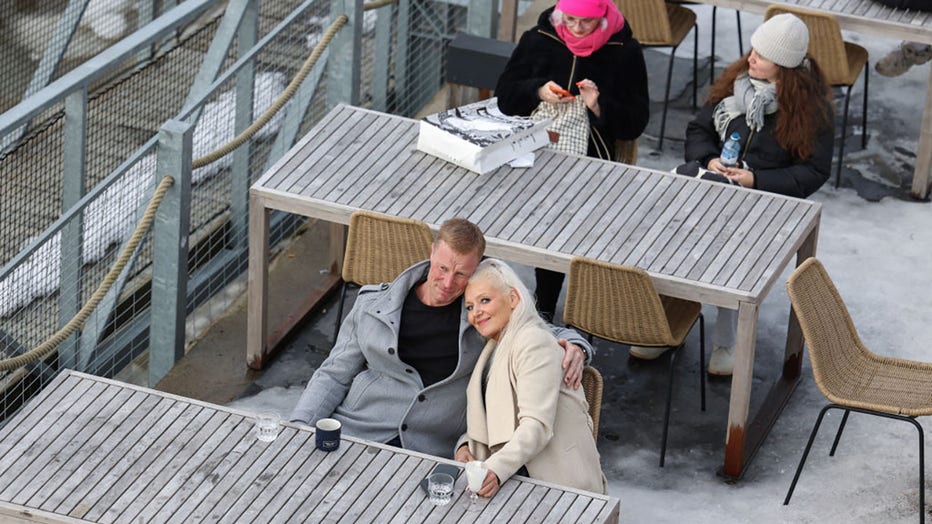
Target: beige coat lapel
[(478, 429)]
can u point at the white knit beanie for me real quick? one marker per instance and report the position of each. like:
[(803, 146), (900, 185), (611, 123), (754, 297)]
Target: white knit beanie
[(782, 39)]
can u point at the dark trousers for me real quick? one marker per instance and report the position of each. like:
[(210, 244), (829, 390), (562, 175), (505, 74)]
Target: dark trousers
[(549, 284)]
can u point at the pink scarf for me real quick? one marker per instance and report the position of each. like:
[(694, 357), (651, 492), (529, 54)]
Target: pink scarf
[(592, 42)]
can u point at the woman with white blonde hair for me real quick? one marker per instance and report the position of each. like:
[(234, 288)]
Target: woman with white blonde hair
[(520, 416)]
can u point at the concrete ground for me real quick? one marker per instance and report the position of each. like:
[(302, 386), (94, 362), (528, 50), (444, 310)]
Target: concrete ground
[(874, 241)]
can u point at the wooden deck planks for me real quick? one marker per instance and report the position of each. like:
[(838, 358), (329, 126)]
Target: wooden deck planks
[(690, 230), (110, 461), (43, 448), (83, 466), (122, 453), (557, 205)]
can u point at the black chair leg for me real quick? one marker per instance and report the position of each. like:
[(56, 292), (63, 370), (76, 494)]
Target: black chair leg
[(666, 99), (666, 413), (702, 358), (815, 429), (864, 108), (712, 53), (922, 471), (802, 461), (740, 38), (695, 63), (336, 332), (844, 129), (841, 427)]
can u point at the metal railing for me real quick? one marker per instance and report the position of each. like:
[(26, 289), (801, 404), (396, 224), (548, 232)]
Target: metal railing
[(200, 245)]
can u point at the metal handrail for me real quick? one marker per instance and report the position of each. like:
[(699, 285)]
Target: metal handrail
[(102, 64)]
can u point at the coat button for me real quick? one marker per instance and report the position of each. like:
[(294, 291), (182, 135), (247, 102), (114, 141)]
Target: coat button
[(421, 398), (404, 427), (391, 351)]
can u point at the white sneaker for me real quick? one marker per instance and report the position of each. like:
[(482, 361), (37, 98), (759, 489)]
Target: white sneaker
[(647, 353), (723, 361)]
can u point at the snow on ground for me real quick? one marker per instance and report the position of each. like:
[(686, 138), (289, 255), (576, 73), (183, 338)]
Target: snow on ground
[(878, 252)]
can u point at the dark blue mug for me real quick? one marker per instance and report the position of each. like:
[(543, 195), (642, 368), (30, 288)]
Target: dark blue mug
[(327, 434)]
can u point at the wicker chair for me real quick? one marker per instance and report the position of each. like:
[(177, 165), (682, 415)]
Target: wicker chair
[(658, 24), (620, 303), (840, 61), (850, 376), (592, 387), (378, 248)]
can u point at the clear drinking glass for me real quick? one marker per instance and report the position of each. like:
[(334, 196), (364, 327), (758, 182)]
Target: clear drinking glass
[(267, 426), (440, 488), (475, 476)]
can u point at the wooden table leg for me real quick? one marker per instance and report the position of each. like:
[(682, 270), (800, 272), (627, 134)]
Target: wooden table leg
[(258, 280), (923, 173), (741, 380), (745, 439), (793, 356)]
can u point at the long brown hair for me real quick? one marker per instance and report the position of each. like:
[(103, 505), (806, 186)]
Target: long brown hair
[(804, 100)]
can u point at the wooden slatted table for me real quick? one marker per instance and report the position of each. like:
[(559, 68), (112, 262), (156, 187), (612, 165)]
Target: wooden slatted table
[(872, 18), (703, 241), (89, 449)]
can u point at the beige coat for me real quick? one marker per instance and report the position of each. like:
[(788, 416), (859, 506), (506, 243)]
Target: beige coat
[(529, 417)]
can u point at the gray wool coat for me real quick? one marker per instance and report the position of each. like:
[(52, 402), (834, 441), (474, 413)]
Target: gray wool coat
[(375, 395)]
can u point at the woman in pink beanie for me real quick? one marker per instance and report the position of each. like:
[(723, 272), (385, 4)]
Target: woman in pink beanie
[(585, 49)]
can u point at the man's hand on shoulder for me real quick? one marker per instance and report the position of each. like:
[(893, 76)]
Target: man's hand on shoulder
[(573, 363)]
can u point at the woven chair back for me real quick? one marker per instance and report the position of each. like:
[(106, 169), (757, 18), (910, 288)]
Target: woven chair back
[(649, 19), (826, 45), (379, 247), (835, 350), (617, 303), (592, 387)]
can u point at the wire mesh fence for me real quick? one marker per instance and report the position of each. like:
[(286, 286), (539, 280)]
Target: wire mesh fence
[(402, 67), (29, 29)]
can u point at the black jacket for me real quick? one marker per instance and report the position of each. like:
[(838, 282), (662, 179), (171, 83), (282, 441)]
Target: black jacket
[(775, 170), (617, 68)]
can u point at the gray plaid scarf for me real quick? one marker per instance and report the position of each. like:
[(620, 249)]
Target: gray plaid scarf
[(752, 97)]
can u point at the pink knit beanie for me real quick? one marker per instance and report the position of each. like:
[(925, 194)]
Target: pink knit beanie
[(583, 8)]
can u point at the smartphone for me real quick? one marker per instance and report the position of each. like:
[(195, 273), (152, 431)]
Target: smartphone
[(449, 469), (562, 92)]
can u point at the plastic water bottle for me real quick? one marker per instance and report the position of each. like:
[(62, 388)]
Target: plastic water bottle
[(730, 151)]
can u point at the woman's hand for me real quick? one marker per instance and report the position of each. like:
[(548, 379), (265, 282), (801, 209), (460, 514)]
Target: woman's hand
[(590, 95), (463, 455), (743, 177), (547, 93), (490, 485), (715, 165)]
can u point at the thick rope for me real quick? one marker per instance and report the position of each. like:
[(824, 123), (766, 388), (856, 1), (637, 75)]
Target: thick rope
[(289, 92), (282, 99), (377, 4), (78, 321)]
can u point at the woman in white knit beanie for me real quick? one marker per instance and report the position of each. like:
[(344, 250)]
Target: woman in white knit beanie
[(776, 99)]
